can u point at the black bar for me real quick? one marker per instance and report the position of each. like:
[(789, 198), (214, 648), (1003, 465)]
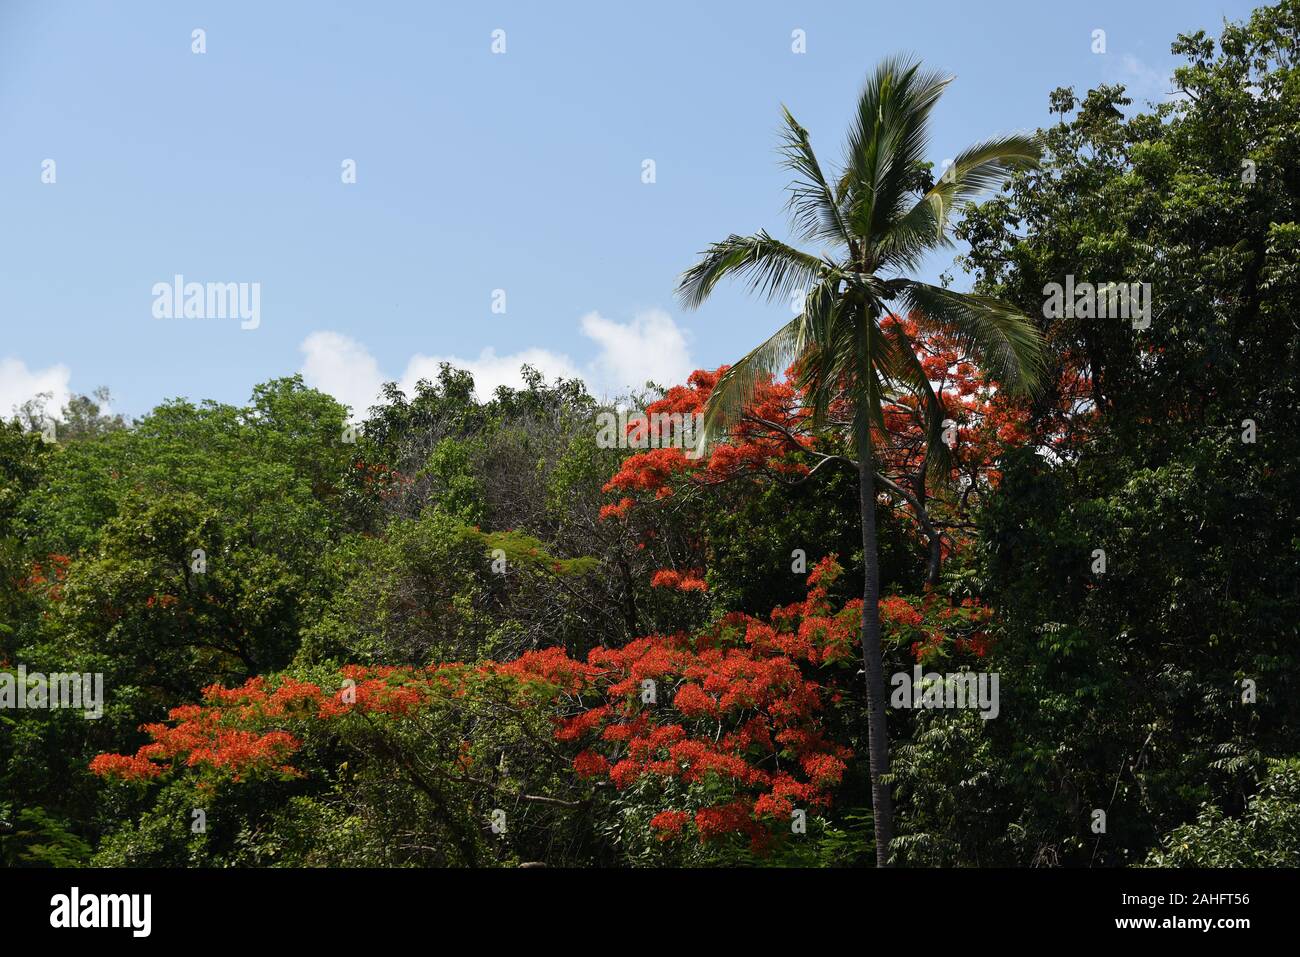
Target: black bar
[(333, 906)]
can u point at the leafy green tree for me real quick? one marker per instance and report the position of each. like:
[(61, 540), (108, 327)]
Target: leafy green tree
[(1162, 682), (84, 416), (186, 550), (23, 458), (1267, 835)]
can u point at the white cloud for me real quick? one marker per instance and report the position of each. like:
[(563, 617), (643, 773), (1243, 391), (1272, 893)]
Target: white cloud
[(18, 384), (651, 346), (342, 367)]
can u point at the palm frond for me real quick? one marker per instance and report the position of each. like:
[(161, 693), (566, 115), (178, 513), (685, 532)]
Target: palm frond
[(830, 358), (773, 268), (977, 169), (986, 165), (812, 205), (1002, 340), (905, 243), (887, 142), (735, 387), (902, 245)]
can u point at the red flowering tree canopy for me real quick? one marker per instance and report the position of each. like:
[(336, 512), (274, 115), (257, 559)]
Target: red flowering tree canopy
[(773, 440), (717, 734)]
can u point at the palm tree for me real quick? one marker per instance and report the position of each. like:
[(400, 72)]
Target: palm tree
[(874, 221)]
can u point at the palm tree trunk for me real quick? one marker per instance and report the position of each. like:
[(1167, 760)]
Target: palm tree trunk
[(936, 561), (877, 735)]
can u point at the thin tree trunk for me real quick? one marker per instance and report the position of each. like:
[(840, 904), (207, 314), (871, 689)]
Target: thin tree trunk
[(877, 735), (936, 560)]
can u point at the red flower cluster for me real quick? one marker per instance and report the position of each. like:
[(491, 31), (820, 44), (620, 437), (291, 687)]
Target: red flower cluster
[(689, 580), (242, 730), (196, 738), (730, 707), (588, 764), (47, 576), (753, 444), (669, 824), (899, 612), (125, 766), (933, 625)]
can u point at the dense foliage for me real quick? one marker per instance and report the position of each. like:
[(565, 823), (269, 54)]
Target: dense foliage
[(469, 633)]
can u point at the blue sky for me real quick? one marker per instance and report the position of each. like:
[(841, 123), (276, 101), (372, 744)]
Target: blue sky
[(476, 172)]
